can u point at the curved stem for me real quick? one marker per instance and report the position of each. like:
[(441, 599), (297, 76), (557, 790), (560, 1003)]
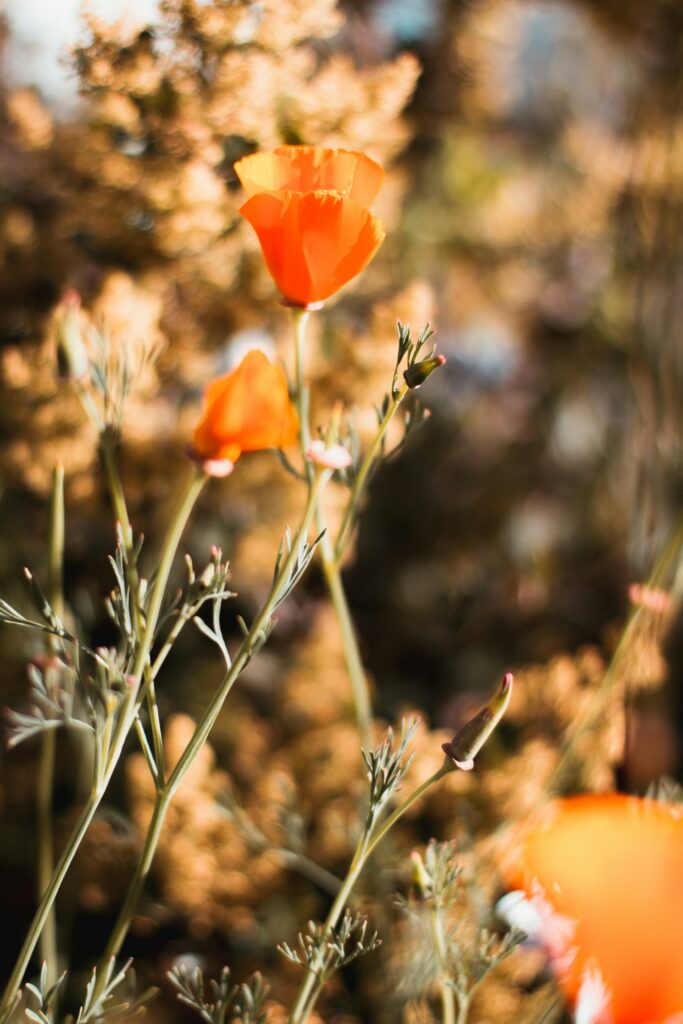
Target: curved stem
[(38, 923), (46, 771), (443, 973), (360, 482), (378, 836), (331, 571), (130, 904), (369, 840)]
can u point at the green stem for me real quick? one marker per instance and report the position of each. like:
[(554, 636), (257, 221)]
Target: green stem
[(359, 484), (46, 903), (366, 844), (463, 1008), (443, 973), (331, 571), (377, 838), (48, 937), (108, 446), (167, 791), (120, 930), (107, 763)]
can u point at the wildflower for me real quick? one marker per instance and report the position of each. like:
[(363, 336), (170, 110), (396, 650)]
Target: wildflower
[(309, 169), (613, 867), (308, 206), (247, 410)]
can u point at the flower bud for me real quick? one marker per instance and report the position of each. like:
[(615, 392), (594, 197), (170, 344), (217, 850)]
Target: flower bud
[(467, 743), (417, 373), (72, 355), (422, 880)]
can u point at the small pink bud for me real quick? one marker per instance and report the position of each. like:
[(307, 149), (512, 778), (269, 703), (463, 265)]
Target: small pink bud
[(334, 457), (652, 598), (217, 468)]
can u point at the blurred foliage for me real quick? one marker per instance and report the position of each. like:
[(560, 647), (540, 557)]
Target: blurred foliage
[(533, 213)]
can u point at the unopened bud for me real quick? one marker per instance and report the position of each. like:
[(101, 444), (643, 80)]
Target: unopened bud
[(466, 744), (418, 373), (422, 881), (72, 355)]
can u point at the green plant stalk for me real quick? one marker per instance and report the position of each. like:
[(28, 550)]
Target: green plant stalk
[(168, 789), (463, 1008), (331, 571), (48, 938), (368, 841), (107, 764), (359, 484), (108, 446), (443, 974)]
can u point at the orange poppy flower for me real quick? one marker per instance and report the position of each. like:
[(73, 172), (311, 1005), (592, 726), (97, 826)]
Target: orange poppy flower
[(308, 206), (607, 875), (309, 168), (246, 411)]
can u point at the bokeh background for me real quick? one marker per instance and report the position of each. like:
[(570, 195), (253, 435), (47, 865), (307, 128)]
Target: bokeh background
[(533, 210)]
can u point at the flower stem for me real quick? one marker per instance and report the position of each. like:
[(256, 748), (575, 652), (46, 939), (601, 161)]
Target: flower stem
[(443, 973), (359, 484), (331, 571), (108, 446), (168, 789), (368, 841), (107, 762), (48, 938)]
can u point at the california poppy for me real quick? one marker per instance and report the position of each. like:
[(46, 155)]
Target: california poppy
[(309, 168), (307, 206), (246, 411), (607, 875)]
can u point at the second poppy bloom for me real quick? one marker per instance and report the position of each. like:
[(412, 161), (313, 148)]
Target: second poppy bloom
[(606, 875), (245, 411), (308, 206)]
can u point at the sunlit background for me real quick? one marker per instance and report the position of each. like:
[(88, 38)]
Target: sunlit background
[(533, 215)]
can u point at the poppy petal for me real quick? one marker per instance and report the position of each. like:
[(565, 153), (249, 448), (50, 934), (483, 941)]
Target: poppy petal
[(313, 242), (311, 168), (614, 866)]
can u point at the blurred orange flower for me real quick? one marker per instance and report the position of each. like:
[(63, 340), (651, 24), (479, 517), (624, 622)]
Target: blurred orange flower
[(311, 168), (245, 411), (308, 206), (606, 874)]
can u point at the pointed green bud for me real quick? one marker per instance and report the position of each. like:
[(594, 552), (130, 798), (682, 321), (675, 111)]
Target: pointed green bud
[(466, 744), (422, 880), (417, 373), (72, 356)]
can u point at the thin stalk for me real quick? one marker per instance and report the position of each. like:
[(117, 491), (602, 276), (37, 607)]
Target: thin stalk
[(359, 483), (331, 571), (167, 791), (378, 836), (48, 938), (109, 758), (443, 973), (108, 444), (463, 1008), (46, 903), (120, 930), (368, 841)]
